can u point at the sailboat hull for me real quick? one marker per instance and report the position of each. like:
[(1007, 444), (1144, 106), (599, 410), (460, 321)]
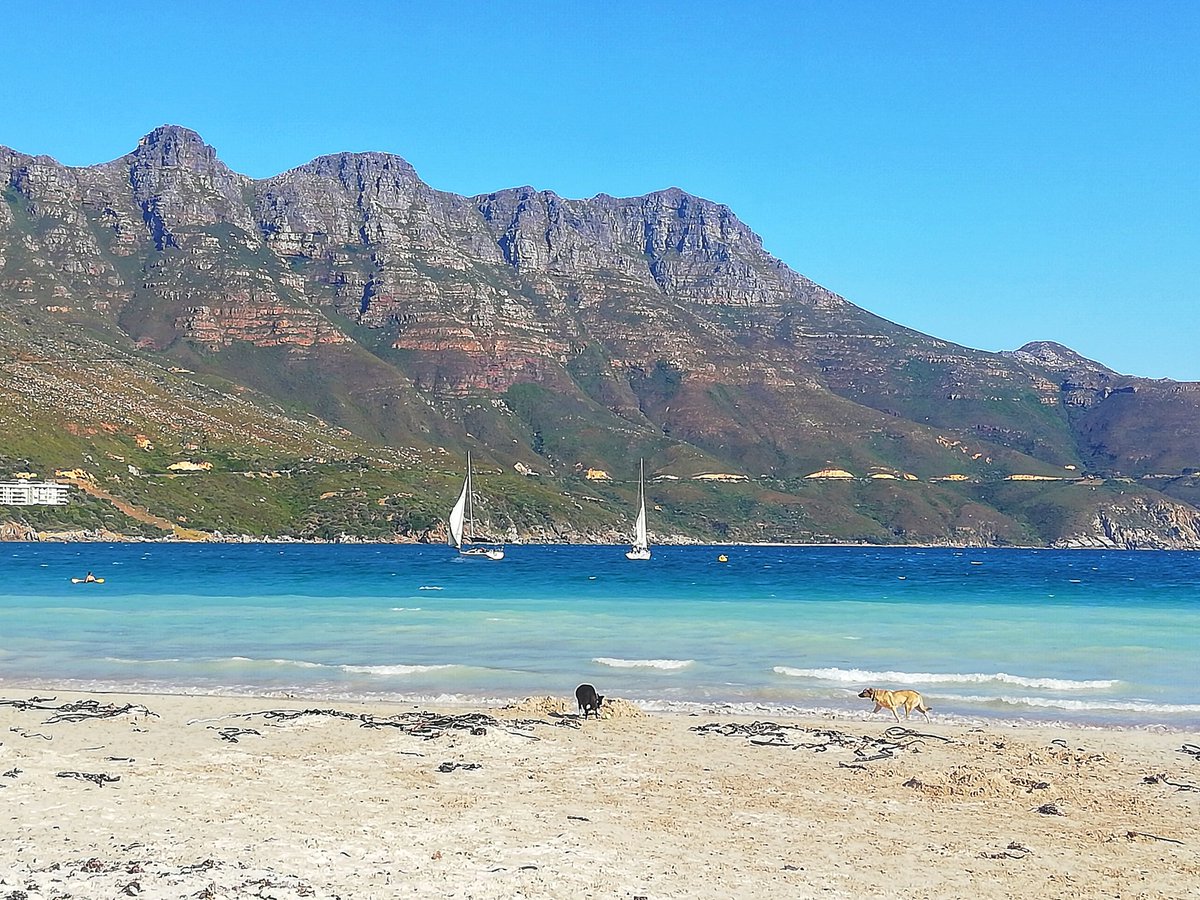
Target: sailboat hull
[(638, 553), (483, 552)]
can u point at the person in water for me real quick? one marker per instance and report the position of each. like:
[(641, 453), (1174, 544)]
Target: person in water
[(89, 577)]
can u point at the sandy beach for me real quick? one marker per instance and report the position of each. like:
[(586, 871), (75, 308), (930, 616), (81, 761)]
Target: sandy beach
[(112, 795)]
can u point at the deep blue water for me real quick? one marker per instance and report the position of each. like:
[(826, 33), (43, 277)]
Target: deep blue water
[(1094, 636)]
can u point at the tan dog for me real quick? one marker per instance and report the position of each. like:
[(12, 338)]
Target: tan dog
[(893, 700)]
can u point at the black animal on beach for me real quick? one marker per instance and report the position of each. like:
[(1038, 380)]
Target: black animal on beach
[(588, 700)]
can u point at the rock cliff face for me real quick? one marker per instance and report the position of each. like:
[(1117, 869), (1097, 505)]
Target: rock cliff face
[(552, 331), (1138, 524)]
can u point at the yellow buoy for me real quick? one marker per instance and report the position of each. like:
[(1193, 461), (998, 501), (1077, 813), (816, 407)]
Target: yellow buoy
[(722, 558)]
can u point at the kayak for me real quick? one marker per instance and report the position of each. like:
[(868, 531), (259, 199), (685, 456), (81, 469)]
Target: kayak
[(85, 581)]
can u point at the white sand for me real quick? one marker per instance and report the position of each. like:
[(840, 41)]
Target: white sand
[(629, 806)]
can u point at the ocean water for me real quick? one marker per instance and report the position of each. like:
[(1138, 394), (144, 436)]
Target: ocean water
[(1032, 635)]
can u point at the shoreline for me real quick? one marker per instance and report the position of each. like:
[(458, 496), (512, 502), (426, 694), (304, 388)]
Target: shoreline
[(169, 795), (649, 707), (72, 537)]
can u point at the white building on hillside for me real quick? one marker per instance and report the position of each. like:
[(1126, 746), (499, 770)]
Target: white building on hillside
[(34, 493)]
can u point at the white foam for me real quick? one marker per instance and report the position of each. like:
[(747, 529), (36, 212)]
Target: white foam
[(298, 663), (138, 662), (398, 669), (429, 587), (392, 670), (866, 676), (1140, 706), (643, 663), (406, 609)]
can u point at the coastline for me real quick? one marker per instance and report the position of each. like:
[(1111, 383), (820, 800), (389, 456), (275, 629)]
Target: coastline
[(859, 713), (325, 798), (12, 533)]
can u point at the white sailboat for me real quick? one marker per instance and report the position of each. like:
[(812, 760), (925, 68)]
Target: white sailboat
[(462, 523), (641, 546)]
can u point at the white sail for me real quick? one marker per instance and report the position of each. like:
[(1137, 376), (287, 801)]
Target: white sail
[(457, 517), (641, 544), (639, 528)]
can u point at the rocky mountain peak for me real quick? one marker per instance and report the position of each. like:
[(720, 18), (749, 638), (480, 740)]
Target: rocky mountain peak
[(1060, 358), (178, 182), (351, 167), (176, 146)]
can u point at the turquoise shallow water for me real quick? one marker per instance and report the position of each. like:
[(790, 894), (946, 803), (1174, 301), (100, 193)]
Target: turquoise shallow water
[(1082, 636)]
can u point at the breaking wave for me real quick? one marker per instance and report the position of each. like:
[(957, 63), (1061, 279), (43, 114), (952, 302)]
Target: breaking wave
[(356, 670), (865, 676), (643, 663), (393, 670), (1140, 706)]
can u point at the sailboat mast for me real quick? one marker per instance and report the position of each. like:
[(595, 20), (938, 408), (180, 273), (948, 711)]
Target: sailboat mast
[(470, 501)]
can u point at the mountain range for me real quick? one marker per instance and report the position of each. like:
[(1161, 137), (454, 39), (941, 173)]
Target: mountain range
[(311, 355)]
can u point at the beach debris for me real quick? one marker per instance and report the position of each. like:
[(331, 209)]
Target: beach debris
[(280, 715), (77, 710), (289, 714), (1012, 851), (766, 732), (527, 723), (231, 733), (579, 818), (1163, 779), (427, 725), (424, 725), (26, 733), (1050, 809), (202, 866), (12, 773), (977, 781), (1192, 750), (451, 766), (141, 877), (83, 710), (1133, 835), (864, 747), (97, 778), (1030, 784), (907, 738)]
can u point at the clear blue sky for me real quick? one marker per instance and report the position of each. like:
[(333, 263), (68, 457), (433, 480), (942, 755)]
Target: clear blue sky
[(990, 173)]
